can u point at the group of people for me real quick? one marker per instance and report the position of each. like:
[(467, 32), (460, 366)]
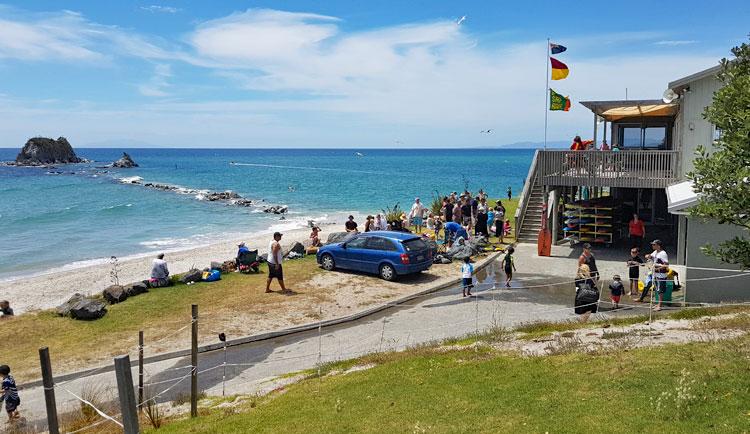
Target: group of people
[(460, 216), (474, 213), (590, 145), (587, 277)]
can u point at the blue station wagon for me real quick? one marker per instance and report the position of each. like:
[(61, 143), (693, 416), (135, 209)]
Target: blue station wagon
[(386, 253)]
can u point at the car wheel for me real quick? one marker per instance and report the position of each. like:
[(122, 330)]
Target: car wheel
[(327, 262), (387, 272)]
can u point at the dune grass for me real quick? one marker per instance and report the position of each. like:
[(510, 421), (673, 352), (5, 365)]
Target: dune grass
[(160, 312), (676, 388)]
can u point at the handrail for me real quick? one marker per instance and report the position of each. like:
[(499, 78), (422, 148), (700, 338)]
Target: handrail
[(523, 199), (627, 168)]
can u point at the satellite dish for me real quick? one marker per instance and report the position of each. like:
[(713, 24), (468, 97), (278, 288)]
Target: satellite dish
[(669, 96)]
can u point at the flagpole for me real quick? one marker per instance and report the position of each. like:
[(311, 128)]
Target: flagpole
[(546, 98)]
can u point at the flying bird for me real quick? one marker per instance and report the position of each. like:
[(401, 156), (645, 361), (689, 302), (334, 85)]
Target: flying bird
[(488, 131), (461, 20)]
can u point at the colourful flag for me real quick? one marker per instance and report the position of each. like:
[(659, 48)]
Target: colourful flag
[(558, 102), (559, 69), (556, 48)]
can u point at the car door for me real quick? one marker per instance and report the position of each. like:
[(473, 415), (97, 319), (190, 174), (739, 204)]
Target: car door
[(351, 253), (378, 249)]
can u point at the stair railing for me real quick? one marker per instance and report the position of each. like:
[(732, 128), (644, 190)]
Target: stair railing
[(523, 200)]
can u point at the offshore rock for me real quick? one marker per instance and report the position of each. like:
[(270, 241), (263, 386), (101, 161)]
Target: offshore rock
[(125, 162), (42, 150)]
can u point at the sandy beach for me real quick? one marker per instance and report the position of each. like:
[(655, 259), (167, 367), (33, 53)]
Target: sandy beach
[(50, 289)]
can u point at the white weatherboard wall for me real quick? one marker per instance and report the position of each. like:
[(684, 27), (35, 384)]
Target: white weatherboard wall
[(691, 130)]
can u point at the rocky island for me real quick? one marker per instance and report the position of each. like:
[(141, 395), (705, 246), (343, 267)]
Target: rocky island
[(124, 162), (40, 151)]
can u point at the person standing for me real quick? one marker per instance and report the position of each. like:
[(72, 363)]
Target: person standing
[(509, 265), (636, 231), (416, 214), (634, 270), (587, 297), (457, 213), (380, 223), (369, 224), (616, 290), (9, 394), (447, 210), (587, 258), (661, 267), (510, 193), (466, 213), (467, 270), (275, 270)]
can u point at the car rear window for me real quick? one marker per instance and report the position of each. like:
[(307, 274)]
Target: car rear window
[(414, 245)]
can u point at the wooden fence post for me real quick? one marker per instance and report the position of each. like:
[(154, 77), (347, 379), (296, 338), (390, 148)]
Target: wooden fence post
[(140, 370), (126, 394), (194, 363), (49, 391)]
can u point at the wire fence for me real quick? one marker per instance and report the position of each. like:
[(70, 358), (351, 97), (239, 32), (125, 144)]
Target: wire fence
[(487, 310)]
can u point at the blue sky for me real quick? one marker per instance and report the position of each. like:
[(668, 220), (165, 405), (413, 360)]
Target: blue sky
[(337, 73)]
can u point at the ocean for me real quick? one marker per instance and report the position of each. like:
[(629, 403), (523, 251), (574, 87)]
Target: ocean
[(85, 214)]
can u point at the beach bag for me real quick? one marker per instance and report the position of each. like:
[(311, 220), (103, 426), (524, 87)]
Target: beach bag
[(586, 294), (211, 276)]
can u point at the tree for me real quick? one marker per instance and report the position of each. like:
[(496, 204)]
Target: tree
[(722, 178)]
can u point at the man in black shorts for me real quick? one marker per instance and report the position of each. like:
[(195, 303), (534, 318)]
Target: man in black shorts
[(274, 263)]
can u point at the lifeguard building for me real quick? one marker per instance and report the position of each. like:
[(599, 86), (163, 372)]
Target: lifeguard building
[(593, 194)]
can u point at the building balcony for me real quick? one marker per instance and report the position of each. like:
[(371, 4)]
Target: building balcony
[(626, 168)]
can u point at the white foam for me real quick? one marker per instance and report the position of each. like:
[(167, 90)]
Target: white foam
[(130, 179)]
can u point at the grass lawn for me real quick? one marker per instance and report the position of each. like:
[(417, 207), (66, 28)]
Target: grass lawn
[(482, 390), (74, 344)]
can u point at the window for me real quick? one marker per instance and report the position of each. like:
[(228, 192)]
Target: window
[(644, 136), (655, 138), (631, 137), (378, 243), (414, 245), (357, 243)]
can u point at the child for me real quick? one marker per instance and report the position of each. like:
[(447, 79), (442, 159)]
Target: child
[(9, 394), (5, 309), (509, 265), (467, 269), (616, 290), (634, 270), (506, 228)]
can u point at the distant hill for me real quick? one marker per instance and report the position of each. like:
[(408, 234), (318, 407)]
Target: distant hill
[(554, 144)]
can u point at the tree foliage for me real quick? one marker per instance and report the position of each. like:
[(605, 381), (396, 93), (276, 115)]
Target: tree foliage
[(722, 177)]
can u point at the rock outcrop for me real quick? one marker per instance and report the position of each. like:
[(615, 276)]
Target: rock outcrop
[(83, 308), (41, 150), (115, 294), (125, 162)]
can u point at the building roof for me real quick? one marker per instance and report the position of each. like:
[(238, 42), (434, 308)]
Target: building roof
[(616, 110), (684, 82), (680, 197)]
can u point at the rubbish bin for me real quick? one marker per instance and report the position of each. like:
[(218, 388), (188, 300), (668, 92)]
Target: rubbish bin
[(667, 296)]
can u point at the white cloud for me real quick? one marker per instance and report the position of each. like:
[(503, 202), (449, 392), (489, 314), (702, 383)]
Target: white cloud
[(158, 84), (162, 9), (428, 83), (674, 43)]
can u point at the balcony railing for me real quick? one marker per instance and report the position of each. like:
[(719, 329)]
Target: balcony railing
[(629, 169)]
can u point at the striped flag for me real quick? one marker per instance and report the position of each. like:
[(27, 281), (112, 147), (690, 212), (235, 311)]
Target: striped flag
[(559, 69)]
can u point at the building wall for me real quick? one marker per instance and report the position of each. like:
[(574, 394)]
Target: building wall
[(690, 129), (713, 290)]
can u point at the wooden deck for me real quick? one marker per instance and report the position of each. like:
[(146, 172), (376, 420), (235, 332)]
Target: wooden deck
[(628, 169)]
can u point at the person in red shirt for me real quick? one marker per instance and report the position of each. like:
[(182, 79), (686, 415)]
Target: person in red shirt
[(636, 231)]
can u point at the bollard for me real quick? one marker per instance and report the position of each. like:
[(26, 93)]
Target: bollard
[(194, 363), (49, 391), (126, 394)]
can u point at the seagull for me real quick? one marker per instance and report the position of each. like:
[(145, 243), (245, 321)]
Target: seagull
[(461, 20), (488, 131)]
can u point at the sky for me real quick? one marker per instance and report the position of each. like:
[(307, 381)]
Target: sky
[(351, 74)]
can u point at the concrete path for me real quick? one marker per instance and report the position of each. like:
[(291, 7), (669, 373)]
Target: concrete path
[(433, 317)]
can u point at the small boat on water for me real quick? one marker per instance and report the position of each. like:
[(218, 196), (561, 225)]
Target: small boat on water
[(359, 154)]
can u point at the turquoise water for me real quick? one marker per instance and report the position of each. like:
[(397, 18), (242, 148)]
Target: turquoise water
[(85, 214)]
